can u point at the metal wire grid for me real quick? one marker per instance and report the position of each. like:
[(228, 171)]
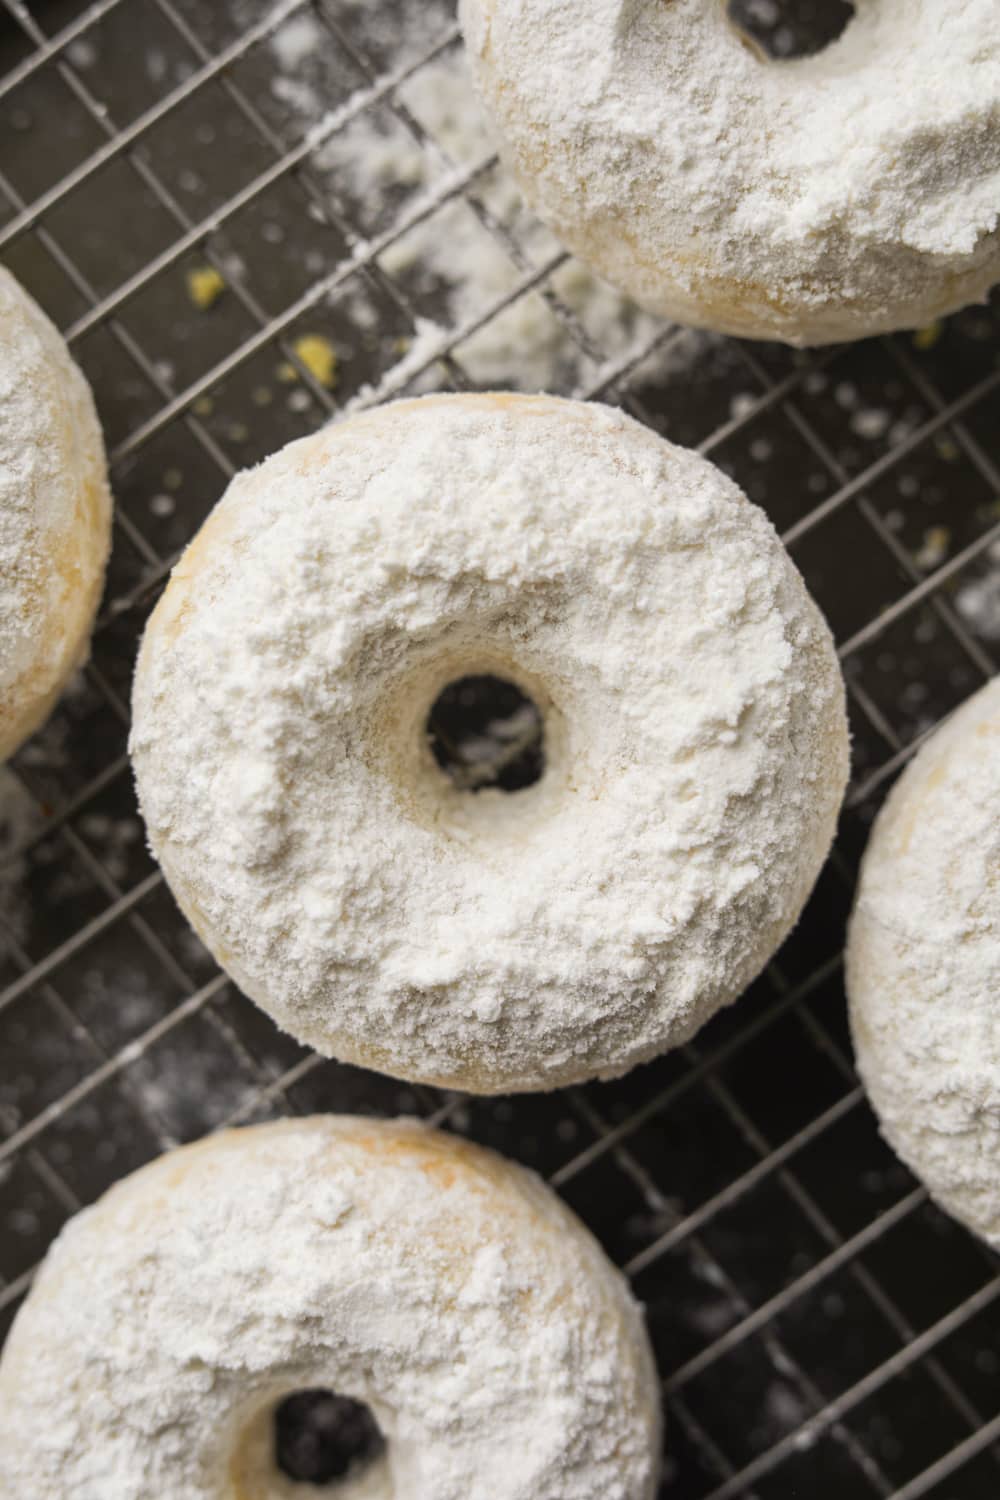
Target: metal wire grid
[(820, 1329)]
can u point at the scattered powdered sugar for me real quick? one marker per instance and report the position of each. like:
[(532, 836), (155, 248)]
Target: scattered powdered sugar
[(398, 30), (429, 341), (299, 38), (923, 965), (809, 201), (978, 600), (359, 1256), (452, 263), (695, 740), (466, 264)]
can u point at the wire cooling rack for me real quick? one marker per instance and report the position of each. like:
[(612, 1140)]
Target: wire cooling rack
[(244, 217)]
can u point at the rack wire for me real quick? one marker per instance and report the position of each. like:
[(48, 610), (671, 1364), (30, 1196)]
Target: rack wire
[(820, 1328)]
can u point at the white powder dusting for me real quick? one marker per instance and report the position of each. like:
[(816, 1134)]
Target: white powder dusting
[(978, 600), (923, 965), (694, 736), (451, 264), (454, 255), (810, 200), (300, 37), (429, 341), (55, 514), (451, 1291)]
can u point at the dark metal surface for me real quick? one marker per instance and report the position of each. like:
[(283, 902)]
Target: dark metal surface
[(821, 1331)]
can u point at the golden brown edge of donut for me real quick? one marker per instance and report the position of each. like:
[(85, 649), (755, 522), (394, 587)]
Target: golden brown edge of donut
[(27, 701)]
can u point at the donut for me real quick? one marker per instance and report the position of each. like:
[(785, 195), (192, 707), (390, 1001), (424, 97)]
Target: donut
[(923, 966), (491, 1347), (55, 515), (826, 198), (693, 725)]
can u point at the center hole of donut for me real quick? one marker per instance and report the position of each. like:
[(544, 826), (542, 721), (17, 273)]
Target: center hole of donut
[(485, 732), (321, 1438), (791, 28)]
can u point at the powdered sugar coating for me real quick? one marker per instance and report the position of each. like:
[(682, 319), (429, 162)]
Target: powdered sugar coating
[(501, 1353), (695, 739), (923, 966), (826, 198), (55, 514)]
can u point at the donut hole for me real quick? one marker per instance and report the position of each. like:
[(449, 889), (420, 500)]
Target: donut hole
[(786, 29), (321, 1438), (485, 731)]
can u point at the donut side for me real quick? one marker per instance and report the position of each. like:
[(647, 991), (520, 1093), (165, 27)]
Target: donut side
[(55, 515), (923, 966), (446, 1288)]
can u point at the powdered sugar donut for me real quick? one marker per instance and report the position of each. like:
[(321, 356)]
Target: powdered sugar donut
[(923, 965), (826, 198), (695, 747), (448, 1290), (55, 514)]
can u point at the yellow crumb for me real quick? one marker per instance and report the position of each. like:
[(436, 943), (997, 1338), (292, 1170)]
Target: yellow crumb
[(205, 286), (319, 357), (937, 540), (286, 372), (926, 338), (946, 448), (203, 407)]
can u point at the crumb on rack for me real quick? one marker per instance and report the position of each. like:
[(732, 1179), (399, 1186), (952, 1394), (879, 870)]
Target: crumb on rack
[(205, 286), (926, 338), (319, 357), (937, 540)]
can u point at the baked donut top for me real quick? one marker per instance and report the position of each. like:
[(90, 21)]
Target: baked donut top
[(695, 740), (651, 130), (500, 1352)]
